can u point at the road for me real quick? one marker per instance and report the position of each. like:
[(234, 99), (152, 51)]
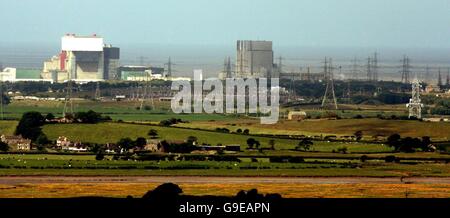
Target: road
[(11, 180)]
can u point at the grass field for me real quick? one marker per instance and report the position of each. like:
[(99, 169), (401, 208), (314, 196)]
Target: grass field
[(8, 127), (369, 127), (112, 132), (58, 165), (125, 110)]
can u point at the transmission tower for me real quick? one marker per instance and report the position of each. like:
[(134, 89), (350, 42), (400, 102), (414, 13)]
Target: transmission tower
[(439, 78), (1, 96), (415, 105), (355, 71), (227, 68), (369, 69), (142, 60), (308, 74), (375, 67), (292, 87), (146, 89), (406, 69), (447, 83), (427, 73), (97, 92), (68, 104), (280, 65), (328, 71), (169, 65), (372, 67)]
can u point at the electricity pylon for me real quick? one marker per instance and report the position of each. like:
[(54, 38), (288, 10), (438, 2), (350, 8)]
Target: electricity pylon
[(328, 71), (68, 104)]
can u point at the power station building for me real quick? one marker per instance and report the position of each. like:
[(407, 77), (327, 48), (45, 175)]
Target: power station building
[(254, 59), (83, 59)]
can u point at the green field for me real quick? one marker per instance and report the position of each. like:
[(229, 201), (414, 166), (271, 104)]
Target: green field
[(13, 164), (8, 127), (126, 110), (370, 127), (111, 132)]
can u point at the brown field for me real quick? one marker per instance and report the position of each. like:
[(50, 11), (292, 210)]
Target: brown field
[(121, 190)]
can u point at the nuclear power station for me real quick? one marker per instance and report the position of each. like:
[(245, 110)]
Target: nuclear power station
[(254, 59), (83, 59)]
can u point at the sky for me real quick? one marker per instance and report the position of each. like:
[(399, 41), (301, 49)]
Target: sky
[(313, 23)]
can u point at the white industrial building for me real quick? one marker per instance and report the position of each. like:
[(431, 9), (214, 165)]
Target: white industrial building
[(8, 75), (83, 59)]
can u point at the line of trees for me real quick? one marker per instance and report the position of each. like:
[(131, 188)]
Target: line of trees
[(409, 144)]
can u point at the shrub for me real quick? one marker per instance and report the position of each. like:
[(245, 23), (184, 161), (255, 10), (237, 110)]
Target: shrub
[(342, 150), (390, 159), (363, 158), (100, 156)]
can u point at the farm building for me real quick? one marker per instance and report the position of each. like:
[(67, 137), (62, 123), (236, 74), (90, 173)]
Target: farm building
[(17, 142), (297, 115)]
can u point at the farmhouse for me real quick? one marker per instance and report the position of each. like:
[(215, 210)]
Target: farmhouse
[(153, 146), (63, 143), (111, 148), (17, 142), (296, 115)]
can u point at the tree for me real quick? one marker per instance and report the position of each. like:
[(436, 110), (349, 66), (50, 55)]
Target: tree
[(140, 142), (426, 142), (409, 144), (358, 135), (257, 144), (30, 125), (42, 140), (272, 144), (246, 132), (239, 131), (96, 148), (192, 140), (125, 143), (100, 155), (394, 141), (153, 133), (49, 117), (251, 142), (4, 147), (6, 99), (305, 144), (342, 150), (88, 117)]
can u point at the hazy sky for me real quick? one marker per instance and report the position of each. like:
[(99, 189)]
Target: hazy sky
[(340, 23)]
